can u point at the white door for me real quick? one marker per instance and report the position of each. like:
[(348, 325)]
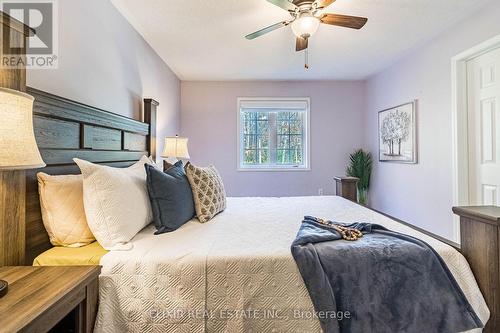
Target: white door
[(483, 94)]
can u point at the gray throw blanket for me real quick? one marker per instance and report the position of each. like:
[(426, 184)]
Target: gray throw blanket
[(384, 282)]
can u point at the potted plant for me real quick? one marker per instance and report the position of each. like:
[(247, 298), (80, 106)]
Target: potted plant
[(360, 166)]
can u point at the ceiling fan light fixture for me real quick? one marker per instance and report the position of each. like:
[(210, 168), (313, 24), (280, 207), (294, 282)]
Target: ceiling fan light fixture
[(305, 25)]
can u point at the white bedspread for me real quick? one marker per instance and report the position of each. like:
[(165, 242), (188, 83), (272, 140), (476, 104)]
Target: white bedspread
[(234, 273)]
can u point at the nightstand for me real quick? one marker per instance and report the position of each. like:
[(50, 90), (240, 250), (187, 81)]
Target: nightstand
[(40, 297)]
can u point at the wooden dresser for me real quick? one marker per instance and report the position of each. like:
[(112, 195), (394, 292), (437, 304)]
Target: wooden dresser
[(41, 297)]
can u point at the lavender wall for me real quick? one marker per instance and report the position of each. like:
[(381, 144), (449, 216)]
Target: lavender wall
[(105, 63), (126, 69), (209, 118), (422, 194)]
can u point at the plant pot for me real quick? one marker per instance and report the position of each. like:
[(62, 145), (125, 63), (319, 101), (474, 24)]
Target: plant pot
[(363, 197)]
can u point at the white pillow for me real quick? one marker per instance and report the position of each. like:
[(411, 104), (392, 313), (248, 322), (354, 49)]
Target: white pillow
[(116, 202), (61, 202)]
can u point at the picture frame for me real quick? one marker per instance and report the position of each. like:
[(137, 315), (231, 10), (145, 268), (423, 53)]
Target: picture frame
[(397, 134)]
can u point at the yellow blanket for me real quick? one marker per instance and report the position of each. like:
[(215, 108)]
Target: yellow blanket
[(71, 256)]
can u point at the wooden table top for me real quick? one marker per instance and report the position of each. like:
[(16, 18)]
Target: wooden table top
[(33, 290)]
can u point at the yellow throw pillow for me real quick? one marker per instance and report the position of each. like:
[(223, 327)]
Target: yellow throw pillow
[(208, 191), (61, 201)]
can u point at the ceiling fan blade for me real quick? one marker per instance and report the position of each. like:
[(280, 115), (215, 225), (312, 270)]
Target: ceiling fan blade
[(284, 4), (353, 22), (301, 44), (267, 29), (320, 4)]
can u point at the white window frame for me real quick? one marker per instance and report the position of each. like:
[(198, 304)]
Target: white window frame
[(269, 102)]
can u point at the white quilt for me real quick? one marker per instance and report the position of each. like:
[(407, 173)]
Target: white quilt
[(234, 273)]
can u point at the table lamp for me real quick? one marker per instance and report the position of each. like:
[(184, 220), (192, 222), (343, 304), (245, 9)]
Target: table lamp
[(18, 149), (175, 147)]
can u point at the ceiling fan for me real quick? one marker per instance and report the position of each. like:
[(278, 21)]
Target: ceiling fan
[(306, 19)]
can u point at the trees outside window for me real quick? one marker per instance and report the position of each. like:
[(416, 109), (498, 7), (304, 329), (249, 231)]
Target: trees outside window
[(273, 134)]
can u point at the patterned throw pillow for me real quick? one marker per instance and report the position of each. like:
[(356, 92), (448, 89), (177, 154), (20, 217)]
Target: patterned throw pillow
[(208, 191)]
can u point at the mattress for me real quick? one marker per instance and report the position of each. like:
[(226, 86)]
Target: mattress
[(234, 273), (90, 254)]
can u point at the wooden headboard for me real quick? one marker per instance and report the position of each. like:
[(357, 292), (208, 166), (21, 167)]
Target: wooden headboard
[(65, 129)]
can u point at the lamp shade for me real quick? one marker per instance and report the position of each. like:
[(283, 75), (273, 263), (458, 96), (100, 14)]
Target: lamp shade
[(176, 147), (305, 25), (18, 149)]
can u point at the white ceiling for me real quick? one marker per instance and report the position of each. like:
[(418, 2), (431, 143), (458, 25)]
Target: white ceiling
[(204, 39)]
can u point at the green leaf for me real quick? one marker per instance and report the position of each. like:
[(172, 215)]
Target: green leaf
[(360, 166)]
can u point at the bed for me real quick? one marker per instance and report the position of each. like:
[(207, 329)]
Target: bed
[(203, 277), (239, 261)]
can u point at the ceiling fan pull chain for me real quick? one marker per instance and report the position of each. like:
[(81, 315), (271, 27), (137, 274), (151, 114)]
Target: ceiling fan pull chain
[(306, 54)]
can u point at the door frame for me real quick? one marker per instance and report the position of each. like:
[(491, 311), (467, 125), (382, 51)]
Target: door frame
[(460, 124)]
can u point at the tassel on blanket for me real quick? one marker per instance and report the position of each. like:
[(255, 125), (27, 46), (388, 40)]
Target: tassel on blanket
[(350, 234)]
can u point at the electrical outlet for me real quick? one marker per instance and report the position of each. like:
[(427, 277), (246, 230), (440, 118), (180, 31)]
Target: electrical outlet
[(320, 191)]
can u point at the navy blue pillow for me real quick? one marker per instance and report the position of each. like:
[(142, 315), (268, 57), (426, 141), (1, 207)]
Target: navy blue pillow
[(171, 197)]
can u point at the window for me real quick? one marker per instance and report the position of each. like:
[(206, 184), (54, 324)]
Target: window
[(273, 134)]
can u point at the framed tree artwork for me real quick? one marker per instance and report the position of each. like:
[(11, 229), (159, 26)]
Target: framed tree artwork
[(397, 128)]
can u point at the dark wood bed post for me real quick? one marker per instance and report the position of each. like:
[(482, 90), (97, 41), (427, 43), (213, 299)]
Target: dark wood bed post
[(480, 245), (347, 187), (13, 32), (12, 183), (150, 110)]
